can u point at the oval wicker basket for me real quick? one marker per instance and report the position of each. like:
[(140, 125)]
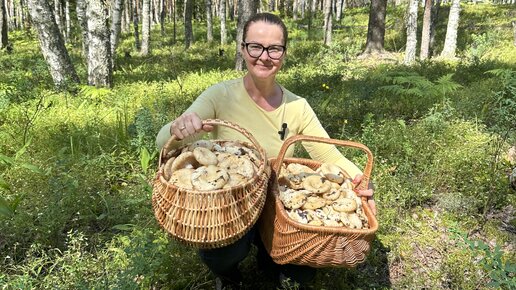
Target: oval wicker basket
[(210, 219), (291, 242)]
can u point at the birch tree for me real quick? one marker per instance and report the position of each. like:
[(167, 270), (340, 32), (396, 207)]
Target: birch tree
[(146, 25), (450, 42), (209, 22), (116, 26), (80, 9), (188, 23), (222, 16), (327, 22), (246, 9), (410, 48), (52, 44), (100, 69)]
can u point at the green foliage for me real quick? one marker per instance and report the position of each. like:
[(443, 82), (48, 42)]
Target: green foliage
[(502, 272)]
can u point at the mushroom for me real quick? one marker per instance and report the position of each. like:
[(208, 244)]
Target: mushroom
[(345, 205), (184, 160), (209, 177), (201, 143), (354, 220), (316, 184), (239, 165), (314, 202), (167, 168), (332, 172), (292, 199), (204, 156), (182, 178), (235, 179)]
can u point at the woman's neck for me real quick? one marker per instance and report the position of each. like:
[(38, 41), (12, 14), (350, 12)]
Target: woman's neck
[(265, 93)]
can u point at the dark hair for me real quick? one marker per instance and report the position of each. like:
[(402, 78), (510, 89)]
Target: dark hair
[(268, 18)]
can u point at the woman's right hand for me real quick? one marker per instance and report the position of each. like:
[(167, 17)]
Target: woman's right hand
[(188, 124)]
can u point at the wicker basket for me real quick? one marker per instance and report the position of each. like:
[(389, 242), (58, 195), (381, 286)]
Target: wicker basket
[(290, 242), (210, 219)]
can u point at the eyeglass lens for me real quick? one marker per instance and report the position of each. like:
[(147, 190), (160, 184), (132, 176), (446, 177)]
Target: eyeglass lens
[(255, 50)]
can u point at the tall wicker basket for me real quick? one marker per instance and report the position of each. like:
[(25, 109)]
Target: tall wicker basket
[(210, 219), (291, 242)]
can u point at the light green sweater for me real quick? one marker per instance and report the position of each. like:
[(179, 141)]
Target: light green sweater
[(230, 101)]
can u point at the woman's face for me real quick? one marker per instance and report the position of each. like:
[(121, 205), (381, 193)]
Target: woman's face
[(267, 35)]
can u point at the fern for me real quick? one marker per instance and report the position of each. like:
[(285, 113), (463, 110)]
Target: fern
[(413, 84)]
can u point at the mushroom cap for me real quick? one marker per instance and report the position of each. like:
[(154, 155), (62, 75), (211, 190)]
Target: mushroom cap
[(292, 199), (182, 178), (332, 194), (332, 172), (345, 205), (204, 156), (299, 216), (296, 168), (184, 160), (201, 143), (238, 164), (354, 220), (167, 168), (209, 177), (316, 184), (235, 179), (314, 202)]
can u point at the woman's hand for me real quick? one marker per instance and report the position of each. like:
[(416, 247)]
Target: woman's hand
[(188, 124), (366, 192)]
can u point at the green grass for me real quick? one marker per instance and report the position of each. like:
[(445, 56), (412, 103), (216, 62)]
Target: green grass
[(75, 204)]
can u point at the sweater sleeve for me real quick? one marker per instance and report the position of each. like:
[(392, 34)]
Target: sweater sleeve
[(321, 151), (205, 106)]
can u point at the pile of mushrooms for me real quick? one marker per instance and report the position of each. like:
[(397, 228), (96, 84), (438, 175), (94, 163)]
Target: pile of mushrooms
[(322, 197), (205, 165)]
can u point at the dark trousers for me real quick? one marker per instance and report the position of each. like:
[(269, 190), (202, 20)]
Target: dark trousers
[(224, 261)]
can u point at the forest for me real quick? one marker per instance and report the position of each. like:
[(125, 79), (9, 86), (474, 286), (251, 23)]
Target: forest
[(85, 85)]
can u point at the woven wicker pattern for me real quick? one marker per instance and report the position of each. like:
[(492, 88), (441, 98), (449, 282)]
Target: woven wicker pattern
[(290, 242), (210, 219)]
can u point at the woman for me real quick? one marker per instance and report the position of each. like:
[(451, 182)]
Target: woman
[(270, 113)]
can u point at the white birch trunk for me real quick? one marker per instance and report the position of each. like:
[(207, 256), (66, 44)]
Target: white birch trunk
[(52, 44), (116, 26), (410, 48), (327, 21), (100, 71), (83, 23), (222, 16), (146, 25), (209, 22), (246, 9), (450, 42)]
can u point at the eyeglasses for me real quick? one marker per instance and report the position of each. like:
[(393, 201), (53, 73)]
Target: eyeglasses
[(255, 50)]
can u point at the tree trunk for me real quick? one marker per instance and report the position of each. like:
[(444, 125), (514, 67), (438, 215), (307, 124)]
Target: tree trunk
[(327, 22), (59, 15), (135, 25), (209, 22), (100, 70), (4, 36), (376, 27), (162, 16), (514, 31), (425, 33), (68, 22), (222, 16), (116, 26), (83, 23), (52, 44), (146, 25), (188, 23), (246, 9), (410, 48), (436, 6), (450, 42), (340, 6)]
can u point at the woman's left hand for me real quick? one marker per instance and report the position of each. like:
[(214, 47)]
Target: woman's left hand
[(366, 192)]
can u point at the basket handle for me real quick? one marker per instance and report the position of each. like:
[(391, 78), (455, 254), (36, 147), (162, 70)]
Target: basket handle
[(247, 134), (297, 138)]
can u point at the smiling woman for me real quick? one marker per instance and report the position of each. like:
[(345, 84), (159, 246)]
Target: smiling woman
[(271, 113)]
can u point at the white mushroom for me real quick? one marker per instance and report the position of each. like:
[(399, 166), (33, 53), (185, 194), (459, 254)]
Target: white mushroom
[(316, 184), (184, 160), (204, 156), (332, 172), (345, 205), (209, 177), (182, 178)]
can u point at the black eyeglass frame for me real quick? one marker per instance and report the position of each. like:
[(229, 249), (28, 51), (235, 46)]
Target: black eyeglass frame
[(246, 45)]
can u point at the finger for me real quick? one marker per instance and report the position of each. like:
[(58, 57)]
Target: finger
[(208, 128), (365, 192), (372, 205), (357, 179), (196, 123)]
